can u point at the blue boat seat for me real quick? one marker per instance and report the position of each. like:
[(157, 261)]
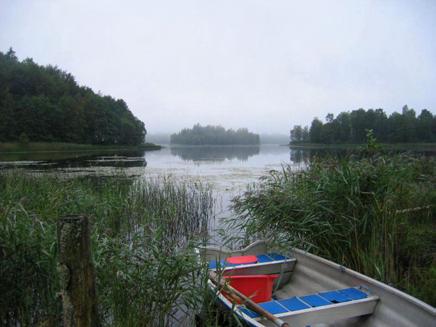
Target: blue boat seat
[(308, 301), (273, 306), (315, 300), (293, 304), (354, 294), (335, 297), (261, 258)]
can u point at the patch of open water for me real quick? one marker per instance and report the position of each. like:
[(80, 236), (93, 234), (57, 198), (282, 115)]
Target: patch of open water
[(228, 169)]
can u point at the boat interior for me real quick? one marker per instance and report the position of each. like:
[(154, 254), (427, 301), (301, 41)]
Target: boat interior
[(308, 290)]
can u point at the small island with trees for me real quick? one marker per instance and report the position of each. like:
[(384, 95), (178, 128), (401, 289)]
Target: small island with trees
[(44, 107), (214, 135)]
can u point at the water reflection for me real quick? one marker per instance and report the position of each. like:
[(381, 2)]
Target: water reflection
[(299, 156), (42, 161), (305, 156), (167, 159), (215, 153)]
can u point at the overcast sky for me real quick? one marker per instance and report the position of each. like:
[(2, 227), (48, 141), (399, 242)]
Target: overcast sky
[(260, 64)]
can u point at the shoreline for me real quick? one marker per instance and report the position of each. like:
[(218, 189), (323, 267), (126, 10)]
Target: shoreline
[(388, 146), (47, 147)]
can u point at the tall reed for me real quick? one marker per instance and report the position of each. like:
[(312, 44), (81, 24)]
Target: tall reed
[(374, 214), (142, 238)]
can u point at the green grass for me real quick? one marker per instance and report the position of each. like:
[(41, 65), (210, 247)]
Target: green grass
[(142, 238), (373, 214), (62, 147)]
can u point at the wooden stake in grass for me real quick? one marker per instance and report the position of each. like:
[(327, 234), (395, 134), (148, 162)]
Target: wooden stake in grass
[(77, 275)]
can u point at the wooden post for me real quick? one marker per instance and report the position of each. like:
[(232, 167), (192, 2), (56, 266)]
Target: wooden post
[(77, 275)]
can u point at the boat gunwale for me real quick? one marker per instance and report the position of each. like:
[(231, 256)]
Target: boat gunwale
[(251, 265), (419, 304), (371, 281), (390, 289)]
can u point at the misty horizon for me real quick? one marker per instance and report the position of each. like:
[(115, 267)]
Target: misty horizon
[(264, 66)]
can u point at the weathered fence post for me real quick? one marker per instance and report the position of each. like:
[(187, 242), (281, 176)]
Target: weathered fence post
[(77, 275)]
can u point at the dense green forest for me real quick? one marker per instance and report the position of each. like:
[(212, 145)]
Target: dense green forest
[(351, 127), (46, 104), (214, 135)]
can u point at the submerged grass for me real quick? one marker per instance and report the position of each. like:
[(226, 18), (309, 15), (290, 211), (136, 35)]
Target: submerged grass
[(142, 236), (374, 214)]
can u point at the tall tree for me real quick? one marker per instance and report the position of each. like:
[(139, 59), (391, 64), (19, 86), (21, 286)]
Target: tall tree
[(297, 134), (316, 131)]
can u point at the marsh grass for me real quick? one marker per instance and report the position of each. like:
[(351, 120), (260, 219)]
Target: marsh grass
[(143, 232), (373, 213)]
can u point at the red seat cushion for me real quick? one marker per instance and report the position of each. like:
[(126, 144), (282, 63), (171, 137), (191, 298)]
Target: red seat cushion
[(241, 260)]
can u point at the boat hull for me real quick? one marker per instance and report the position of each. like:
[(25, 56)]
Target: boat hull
[(312, 274)]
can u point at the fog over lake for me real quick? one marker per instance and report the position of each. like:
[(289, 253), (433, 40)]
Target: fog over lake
[(263, 65)]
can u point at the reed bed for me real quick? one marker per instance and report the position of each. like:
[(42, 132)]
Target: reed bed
[(373, 213), (143, 232)]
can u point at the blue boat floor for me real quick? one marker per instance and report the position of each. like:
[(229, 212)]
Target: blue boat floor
[(297, 303)]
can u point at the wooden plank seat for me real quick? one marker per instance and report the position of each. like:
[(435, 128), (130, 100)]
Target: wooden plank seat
[(321, 307), (261, 258)]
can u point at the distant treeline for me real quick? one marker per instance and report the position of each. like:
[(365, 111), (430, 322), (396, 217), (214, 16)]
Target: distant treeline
[(158, 138), (274, 138), (40, 103), (214, 135), (351, 127)]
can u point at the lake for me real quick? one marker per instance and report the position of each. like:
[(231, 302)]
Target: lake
[(228, 169)]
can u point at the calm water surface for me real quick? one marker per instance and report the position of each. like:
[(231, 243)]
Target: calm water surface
[(228, 169)]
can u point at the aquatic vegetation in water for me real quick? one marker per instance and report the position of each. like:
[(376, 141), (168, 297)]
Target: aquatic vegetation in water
[(373, 214), (142, 237)]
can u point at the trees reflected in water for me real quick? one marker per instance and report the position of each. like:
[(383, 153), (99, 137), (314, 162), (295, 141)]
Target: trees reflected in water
[(68, 160), (243, 153), (215, 153), (305, 156)]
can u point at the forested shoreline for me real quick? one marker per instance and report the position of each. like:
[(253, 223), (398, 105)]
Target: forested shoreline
[(214, 135), (45, 104), (351, 127)]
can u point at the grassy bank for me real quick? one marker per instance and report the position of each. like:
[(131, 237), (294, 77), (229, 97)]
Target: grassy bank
[(142, 234), (67, 147), (387, 146), (373, 214)]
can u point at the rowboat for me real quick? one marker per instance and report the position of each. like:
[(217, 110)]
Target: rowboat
[(308, 290)]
